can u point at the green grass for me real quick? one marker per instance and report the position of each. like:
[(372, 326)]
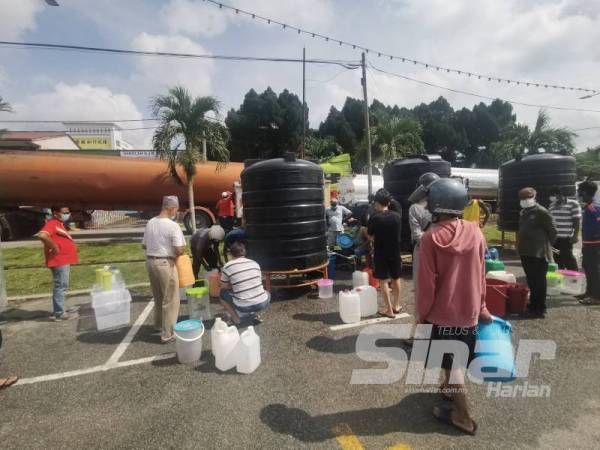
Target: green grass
[(26, 273), (493, 236), (39, 281), (96, 253)]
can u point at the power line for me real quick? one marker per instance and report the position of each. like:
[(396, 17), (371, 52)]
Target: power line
[(426, 65), (458, 91), (79, 48), (588, 128), (213, 119)]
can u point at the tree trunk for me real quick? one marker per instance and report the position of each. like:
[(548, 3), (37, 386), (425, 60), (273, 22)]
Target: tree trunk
[(191, 202)]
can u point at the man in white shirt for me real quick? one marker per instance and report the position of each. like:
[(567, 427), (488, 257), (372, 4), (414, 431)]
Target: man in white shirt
[(163, 243), (335, 216)]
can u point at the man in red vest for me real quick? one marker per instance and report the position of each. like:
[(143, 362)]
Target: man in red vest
[(60, 252), (226, 211)]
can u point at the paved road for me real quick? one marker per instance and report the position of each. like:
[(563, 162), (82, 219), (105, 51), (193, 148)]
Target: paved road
[(300, 397)]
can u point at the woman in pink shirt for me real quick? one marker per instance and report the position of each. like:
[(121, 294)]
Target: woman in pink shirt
[(451, 290)]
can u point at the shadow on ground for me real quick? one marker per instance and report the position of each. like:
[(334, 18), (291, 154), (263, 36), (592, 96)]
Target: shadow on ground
[(411, 415)]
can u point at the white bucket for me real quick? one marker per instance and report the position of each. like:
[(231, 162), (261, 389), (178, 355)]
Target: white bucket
[(188, 342)]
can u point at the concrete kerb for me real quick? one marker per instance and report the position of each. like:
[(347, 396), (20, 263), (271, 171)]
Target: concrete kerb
[(23, 298)]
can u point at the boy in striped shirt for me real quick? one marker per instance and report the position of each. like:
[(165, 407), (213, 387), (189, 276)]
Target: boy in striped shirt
[(242, 291), (567, 215)]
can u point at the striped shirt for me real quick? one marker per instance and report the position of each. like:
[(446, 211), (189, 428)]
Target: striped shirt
[(245, 279), (565, 214)]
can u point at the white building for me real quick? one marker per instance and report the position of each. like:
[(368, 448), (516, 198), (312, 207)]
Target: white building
[(97, 136)]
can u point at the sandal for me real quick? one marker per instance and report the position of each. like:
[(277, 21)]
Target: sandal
[(386, 314), (399, 310), (589, 301), (445, 415), (7, 382)]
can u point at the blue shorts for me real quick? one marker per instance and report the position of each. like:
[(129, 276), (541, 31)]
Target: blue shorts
[(227, 297)]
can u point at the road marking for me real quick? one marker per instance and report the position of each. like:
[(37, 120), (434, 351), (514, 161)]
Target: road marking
[(95, 369), (367, 322), (346, 437), (400, 447), (114, 359)]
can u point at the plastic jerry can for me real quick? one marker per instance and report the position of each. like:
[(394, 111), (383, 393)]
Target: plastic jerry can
[(214, 283), (372, 280), (368, 300), (359, 278), (248, 351), (225, 346), (349, 306)]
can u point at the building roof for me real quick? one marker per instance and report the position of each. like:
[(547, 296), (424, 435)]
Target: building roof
[(31, 135)]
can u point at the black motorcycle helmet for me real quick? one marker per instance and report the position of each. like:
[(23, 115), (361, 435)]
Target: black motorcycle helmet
[(447, 196), (423, 184)]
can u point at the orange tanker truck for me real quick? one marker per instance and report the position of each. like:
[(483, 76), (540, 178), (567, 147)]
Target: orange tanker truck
[(33, 180)]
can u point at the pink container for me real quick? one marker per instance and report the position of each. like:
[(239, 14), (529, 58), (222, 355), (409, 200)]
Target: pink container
[(325, 288), (574, 283)]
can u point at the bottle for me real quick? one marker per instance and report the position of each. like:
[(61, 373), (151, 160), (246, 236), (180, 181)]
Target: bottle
[(249, 351)]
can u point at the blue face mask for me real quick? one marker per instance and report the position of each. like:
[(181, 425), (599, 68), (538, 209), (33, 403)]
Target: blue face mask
[(65, 217)]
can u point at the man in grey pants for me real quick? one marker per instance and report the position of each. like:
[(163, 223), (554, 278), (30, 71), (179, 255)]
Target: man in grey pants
[(163, 243)]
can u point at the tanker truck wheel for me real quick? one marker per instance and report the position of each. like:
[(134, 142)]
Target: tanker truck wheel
[(203, 220)]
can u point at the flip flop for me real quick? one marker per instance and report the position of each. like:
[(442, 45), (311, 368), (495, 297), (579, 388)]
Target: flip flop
[(386, 314), (588, 301), (445, 416), (399, 310), (7, 382)]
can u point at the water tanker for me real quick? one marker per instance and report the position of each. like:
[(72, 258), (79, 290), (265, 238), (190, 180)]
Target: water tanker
[(86, 182)]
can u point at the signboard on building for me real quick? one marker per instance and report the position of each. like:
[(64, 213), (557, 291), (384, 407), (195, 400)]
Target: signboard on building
[(138, 153), (91, 142)]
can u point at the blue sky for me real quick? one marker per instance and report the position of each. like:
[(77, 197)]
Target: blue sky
[(554, 41)]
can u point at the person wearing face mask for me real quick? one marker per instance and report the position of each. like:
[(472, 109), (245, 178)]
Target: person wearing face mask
[(537, 230), (419, 218), (164, 243), (335, 215), (567, 215), (590, 236), (60, 252)]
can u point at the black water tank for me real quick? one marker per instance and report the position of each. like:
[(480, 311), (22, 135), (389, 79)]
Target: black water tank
[(284, 213), (542, 172), (400, 178)]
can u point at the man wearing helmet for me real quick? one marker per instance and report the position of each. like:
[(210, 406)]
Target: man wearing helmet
[(419, 218), (451, 290), (205, 248), (226, 211)]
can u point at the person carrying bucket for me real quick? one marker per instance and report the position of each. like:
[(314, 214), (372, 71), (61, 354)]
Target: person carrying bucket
[(419, 218), (451, 291)]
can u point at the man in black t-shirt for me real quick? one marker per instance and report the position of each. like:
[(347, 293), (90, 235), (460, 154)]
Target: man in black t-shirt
[(385, 229)]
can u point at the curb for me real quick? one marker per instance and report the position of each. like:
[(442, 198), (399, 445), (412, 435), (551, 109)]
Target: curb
[(21, 298)]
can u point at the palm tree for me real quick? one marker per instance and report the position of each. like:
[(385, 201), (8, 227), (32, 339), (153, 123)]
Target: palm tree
[(544, 136), (183, 122), (397, 137)]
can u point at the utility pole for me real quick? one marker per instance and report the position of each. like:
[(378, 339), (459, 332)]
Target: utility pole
[(364, 85), (303, 102)]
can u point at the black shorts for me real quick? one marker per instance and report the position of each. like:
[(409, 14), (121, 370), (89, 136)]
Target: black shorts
[(389, 267), (467, 335)]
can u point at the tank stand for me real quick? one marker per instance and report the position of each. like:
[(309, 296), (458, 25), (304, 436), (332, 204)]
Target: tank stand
[(294, 278)]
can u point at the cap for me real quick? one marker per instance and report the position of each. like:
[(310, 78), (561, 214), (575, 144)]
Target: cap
[(170, 201)]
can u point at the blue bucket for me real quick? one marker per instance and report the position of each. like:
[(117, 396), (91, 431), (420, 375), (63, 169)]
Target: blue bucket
[(494, 357), (331, 266), (345, 241)]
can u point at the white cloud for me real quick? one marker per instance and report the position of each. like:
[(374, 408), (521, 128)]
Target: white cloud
[(18, 17), (162, 73), (195, 18), (82, 102)]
